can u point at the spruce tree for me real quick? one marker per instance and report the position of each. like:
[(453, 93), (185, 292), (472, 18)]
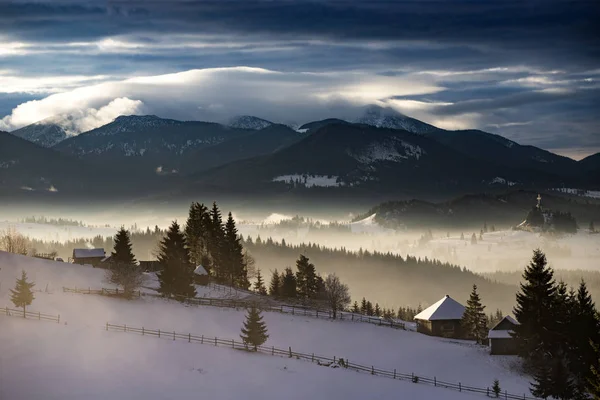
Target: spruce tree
[(377, 310), (288, 286), (22, 295), (370, 311), (363, 306), (254, 332), (275, 285), (232, 256), (535, 307), (177, 275), (592, 228), (197, 231), (124, 270), (496, 388), (355, 308), (306, 278), (259, 285), (216, 239), (474, 320)]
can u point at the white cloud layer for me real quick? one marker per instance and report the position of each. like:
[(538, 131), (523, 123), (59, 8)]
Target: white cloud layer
[(216, 94)]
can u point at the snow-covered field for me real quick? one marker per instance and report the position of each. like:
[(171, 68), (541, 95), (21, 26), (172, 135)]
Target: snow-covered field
[(78, 359), (580, 192), (310, 180)]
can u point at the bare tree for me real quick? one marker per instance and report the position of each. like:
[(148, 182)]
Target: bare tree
[(129, 277), (12, 241), (250, 263), (338, 294)]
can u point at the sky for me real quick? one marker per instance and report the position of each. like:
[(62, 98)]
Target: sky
[(528, 70)]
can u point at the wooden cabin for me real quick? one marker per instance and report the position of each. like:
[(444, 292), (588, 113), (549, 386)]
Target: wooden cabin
[(92, 257), (501, 340), (201, 276), (441, 319)]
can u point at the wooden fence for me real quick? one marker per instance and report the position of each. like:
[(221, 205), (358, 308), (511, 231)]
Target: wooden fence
[(29, 314), (320, 360), (240, 303), (103, 291)]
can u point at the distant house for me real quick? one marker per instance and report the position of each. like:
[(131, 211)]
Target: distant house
[(501, 340), (150, 266), (200, 275), (441, 319), (88, 256)]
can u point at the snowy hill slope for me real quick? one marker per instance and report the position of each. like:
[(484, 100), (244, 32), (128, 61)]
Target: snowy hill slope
[(45, 133), (85, 316), (249, 122)]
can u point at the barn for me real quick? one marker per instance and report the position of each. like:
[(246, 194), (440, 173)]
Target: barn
[(200, 275), (88, 256), (441, 319), (501, 340)]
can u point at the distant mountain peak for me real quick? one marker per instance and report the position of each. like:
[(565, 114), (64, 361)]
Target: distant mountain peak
[(45, 133), (387, 117), (130, 123), (248, 122)]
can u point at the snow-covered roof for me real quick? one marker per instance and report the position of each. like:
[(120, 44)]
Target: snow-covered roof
[(499, 335), (506, 318), (446, 308), (88, 253), (511, 320), (200, 270)]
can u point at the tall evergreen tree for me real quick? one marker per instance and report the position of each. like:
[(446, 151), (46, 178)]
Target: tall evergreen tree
[(216, 238), (363, 306), (288, 286), (232, 258), (377, 310), (177, 275), (474, 320), (197, 231), (536, 302), (124, 270), (594, 379), (355, 308), (275, 285), (259, 285), (254, 332), (22, 295), (306, 278)]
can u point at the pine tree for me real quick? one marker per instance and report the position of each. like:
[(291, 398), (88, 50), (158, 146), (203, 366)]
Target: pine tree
[(594, 379), (496, 388), (124, 270), (474, 321), (216, 238), (22, 295), (363, 306), (288, 285), (370, 310), (254, 332), (177, 275), (355, 308), (275, 285), (232, 254), (259, 285), (535, 311), (473, 239), (197, 231), (377, 310), (306, 278)]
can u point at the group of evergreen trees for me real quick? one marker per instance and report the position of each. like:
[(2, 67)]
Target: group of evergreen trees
[(366, 308), (216, 245), (558, 329), (305, 285)]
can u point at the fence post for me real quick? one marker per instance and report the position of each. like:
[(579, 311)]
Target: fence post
[(107, 326), (159, 333), (312, 358), (39, 316), (125, 327), (273, 350), (293, 308), (459, 387), (202, 340), (434, 381), (189, 338), (352, 316), (232, 344), (58, 319), (215, 340), (334, 359), (506, 394), (394, 373), (173, 335), (372, 370), (290, 351), (142, 331), (89, 290), (317, 313)]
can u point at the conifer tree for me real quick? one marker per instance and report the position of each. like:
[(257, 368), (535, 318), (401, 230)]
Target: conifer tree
[(306, 278), (275, 285), (377, 310), (592, 228), (363, 306), (288, 285), (370, 310), (594, 379), (474, 320), (124, 270), (535, 307), (355, 308), (22, 295), (259, 285), (216, 238), (232, 256), (197, 231), (496, 388), (254, 332), (177, 275), (473, 239)]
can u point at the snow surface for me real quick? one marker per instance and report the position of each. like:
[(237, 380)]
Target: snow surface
[(580, 192), (388, 151), (502, 181), (310, 180), (368, 225), (443, 309), (81, 360)]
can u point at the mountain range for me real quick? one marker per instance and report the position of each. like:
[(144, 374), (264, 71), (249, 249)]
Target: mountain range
[(382, 153)]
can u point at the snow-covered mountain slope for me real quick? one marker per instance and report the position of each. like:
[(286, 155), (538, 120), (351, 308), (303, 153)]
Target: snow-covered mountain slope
[(133, 123), (382, 117), (45, 133), (249, 122), (153, 367)]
